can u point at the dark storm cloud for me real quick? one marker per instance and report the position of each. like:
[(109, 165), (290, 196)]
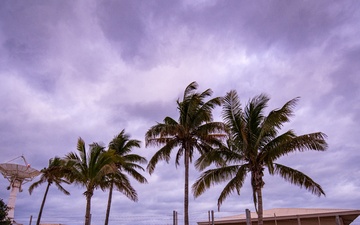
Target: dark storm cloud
[(123, 23), (129, 26), (29, 25), (27, 29), (288, 25), (136, 27), (32, 42)]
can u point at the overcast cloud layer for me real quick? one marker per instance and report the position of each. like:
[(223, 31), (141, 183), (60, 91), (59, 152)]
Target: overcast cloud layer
[(89, 69)]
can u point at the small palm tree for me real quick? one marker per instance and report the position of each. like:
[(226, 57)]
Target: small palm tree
[(53, 174), (194, 130), (255, 144), (90, 170), (126, 163)]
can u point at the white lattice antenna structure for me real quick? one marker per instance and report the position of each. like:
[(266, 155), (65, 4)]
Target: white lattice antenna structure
[(17, 175)]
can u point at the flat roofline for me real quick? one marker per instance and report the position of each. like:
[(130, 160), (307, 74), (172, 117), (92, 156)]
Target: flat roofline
[(292, 213)]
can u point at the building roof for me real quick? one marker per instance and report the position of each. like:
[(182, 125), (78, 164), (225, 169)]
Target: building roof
[(289, 213)]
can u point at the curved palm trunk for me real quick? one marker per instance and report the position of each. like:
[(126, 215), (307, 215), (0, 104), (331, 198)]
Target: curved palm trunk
[(42, 204), (88, 207), (109, 203), (186, 196)]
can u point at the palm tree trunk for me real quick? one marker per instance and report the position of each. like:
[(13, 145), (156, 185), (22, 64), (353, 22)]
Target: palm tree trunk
[(260, 206), (109, 203), (43, 203), (88, 207), (186, 196), (258, 184)]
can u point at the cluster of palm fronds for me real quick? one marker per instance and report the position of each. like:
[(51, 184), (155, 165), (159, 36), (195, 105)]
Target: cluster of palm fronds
[(95, 168), (246, 142)]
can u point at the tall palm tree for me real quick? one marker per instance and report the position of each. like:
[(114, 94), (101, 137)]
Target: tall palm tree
[(126, 163), (90, 170), (194, 130), (255, 144), (53, 174)]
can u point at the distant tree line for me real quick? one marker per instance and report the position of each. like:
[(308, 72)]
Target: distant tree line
[(245, 143)]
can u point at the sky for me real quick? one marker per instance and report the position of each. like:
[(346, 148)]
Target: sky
[(91, 68)]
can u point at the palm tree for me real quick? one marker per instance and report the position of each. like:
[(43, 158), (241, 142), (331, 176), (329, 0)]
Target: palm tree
[(255, 144), (193, 130), (90, 170), (126, 163), (53, 174)]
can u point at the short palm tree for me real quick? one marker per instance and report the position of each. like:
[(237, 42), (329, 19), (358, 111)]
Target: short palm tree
[(255, 144), (90, 170), (53, 174), (194, 130), (126, 164)]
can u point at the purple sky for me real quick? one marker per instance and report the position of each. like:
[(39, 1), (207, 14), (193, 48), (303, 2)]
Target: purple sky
[(89, 69)]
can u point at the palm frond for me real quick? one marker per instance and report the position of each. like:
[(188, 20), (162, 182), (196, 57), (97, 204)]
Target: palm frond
[(274, 147), (274, 121), (204, 112), (61, 188), (179, 154), (254, 115), (161, 133), (161, 154), (170, 121), (207, 93), (210, 131), (123, 185), (36, 185), (136, 175), (206, 159), (235, 184), (134, 158), (289, 142), (189, 90), (222, 156), (298, 178), (232, 113), (81, 149), (212, 177)]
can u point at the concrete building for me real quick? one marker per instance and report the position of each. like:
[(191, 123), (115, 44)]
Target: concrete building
[(293, 216)]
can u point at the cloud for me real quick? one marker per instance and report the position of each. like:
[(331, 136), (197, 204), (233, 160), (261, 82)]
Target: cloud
[(92, 68)]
